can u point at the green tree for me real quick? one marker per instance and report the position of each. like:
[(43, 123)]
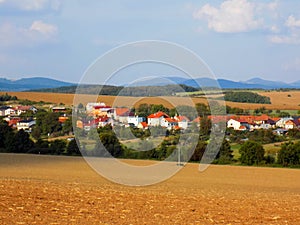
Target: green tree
[(67, 126), (72, 148), (5, 132), (36, 132), (205, 128), (251, 153), (19, 142), (111, 143), (289, 154), (58, 147), (199, 151), (48, 122), (202, 109), (224, 155)]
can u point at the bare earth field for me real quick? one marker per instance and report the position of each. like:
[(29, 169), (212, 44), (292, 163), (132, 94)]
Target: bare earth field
[(37, 189), (280, 100)]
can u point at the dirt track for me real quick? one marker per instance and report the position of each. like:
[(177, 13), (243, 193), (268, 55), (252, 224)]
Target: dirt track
[(65, 190)]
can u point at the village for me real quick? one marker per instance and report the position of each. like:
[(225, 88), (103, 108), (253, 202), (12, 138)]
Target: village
[(99, 115)]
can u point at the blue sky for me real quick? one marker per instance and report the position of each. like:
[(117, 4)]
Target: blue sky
[(238, 39)]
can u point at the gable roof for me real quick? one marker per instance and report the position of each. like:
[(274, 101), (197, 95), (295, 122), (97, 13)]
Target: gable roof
[(158, 115), (121, 111)]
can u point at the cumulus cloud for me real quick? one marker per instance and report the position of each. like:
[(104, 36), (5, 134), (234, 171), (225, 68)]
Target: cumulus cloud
[(37, 32), (293, 32), (292, 22), (43, 28), (31, 5), (233, 16)]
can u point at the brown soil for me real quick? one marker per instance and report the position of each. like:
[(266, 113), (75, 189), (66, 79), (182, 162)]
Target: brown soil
[(38, 189)]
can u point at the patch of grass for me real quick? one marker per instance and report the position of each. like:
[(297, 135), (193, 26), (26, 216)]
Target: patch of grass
[(235, 147)]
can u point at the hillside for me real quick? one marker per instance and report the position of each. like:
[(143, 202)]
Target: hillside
[(30, 83)]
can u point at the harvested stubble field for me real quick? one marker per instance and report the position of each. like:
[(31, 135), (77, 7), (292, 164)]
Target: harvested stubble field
[(39, 189), (280, 100)]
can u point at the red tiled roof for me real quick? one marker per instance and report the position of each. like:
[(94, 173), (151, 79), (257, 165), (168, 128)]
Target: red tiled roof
[(120, 111), (171, 120), (243, 128), (181, 118), (158, 115), (144, 124)]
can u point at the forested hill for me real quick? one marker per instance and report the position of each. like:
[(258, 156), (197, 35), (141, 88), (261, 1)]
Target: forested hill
[(166, 90)]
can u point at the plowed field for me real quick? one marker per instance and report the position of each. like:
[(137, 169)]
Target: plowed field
[(37, 189)]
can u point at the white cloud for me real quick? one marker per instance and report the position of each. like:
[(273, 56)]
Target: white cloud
[(293, 33), (38, 32), (31, 5), (274, 29), (43, 28), (285, 39), (231, 16), (292, 22)]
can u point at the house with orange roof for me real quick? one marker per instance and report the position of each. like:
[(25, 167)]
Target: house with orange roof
[(142, 125), (157, 119), (119, 112), (169, 123), (238, 124), (25, 108), (182, 121), (292, 124)]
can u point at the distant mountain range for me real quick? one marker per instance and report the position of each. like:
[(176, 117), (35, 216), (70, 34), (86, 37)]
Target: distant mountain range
[(254, 83), (33, 83)]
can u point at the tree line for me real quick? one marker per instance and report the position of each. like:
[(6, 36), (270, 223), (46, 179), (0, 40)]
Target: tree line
[(246, 97)]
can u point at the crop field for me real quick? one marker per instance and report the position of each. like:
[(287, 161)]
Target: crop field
[(289, 100), (38, 189)]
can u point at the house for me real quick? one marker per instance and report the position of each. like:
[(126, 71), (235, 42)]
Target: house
[(101, 111), (157, 119), (142, 125), (135, 120), (169, 123), (24, 108), (238, 124), (25, 125), (182, 121), (91, 105), (7, 111), (280, 131), (59, 109), (291, 124), (119, 111), (123, 118), (12, 121), (103, 121), (282, 121)]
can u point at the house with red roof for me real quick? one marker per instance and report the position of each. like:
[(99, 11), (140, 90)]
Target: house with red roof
[(157, 119), (142, 125), (169, 123), (292, 124), (182, 121), (238, 124), (25, 108)]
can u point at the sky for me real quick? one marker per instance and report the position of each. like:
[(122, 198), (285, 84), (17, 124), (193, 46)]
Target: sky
[(237, 39)]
